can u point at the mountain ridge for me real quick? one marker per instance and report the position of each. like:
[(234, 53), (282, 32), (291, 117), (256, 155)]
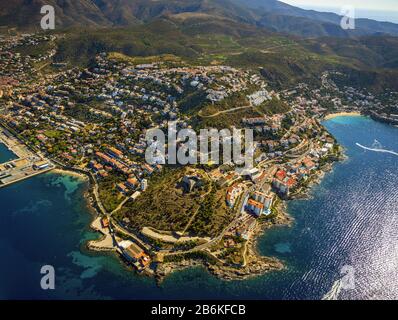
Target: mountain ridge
[(269, 14)]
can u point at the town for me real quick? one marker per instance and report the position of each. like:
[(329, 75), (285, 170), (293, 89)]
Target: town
[(93, 121)]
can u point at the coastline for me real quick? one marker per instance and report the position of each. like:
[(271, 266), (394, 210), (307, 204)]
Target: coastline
[(254, 263), (342, 114), (75, 174), (105, 242), (293, 246)]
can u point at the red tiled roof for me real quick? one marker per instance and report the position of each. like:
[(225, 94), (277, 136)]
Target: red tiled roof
[(255, 203), (281, 174), (291, 182)]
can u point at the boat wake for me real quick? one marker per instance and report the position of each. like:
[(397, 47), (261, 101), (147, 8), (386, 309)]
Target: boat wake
[(334, 292), (376, 147)]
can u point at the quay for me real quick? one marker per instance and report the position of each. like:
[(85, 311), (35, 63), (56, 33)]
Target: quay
[(26, 165)]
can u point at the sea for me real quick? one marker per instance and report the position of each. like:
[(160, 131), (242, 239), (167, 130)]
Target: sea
[(5, 154), (360, 13), (343, 243)]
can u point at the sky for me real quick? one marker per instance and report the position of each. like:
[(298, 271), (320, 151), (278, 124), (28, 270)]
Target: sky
[(382, 10), (383, 5)]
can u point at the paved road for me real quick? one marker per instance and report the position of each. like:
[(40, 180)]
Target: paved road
[(169, 237), (131, 235), (120, 206)]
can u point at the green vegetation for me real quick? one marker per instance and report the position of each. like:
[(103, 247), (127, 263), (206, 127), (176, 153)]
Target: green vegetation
[(235, 100), (274, 106), (225, 120), (163, 205), (213, 215), (109, 194), (53, 134), (283, 61), (199, 255), (233, 256)]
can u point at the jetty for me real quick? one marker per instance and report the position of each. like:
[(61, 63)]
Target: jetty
[(27, 164)]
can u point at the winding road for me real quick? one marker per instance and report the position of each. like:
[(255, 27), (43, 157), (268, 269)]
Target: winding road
[(224, 111)]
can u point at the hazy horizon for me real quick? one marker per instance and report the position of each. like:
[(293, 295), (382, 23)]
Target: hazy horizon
[(384, 10)]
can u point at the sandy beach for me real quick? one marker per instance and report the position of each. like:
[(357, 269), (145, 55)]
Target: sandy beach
[(342, 114), (106, 242), (70, 173)]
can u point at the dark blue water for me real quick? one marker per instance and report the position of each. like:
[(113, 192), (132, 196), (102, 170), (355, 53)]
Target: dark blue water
[(351, 220), (5, 154)]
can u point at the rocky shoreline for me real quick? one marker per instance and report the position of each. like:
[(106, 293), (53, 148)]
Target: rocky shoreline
[(255, 264), (258, 266)]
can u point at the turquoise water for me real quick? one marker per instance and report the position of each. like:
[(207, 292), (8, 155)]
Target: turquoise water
[(5, 154), (352, 219)]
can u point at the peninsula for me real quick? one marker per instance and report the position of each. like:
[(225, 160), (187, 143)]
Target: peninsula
[(93, 120)]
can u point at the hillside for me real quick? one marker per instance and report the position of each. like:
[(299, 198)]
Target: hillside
[(269, 14), (25, 14), (123, 12), (217, 32), (284, 17), (202, 39)]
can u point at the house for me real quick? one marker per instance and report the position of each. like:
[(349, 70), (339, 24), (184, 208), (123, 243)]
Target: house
[(281, 175), (216, 174), (96, 166), (132, 183), (233, 193), (144, 184), (122, 188), (260, 203), (41, 165), (103, 157), (255, 207), (252, 174), (309, 164), (114, 152), (102, 174), (269, 199), (259, 196), (284, 186), (231, 178), (134, 254), (105, 222)]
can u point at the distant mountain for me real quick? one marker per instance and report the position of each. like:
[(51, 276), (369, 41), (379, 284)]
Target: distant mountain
[(104, 13), (25, 14), (123, 12), (283, 17), (270, 14)]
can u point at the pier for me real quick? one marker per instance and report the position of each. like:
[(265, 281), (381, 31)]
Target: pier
[(26, 165)]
